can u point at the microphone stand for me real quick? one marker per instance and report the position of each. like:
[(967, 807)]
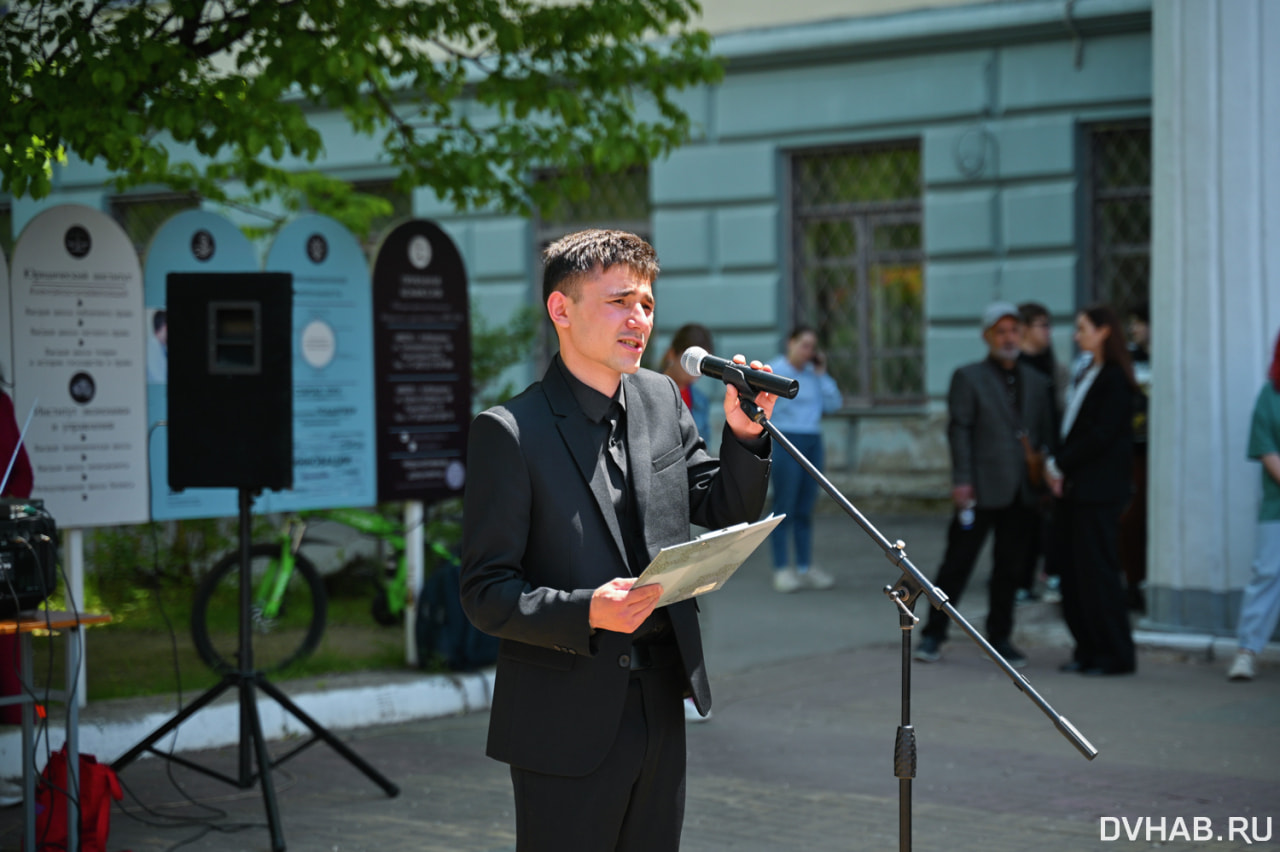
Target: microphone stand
[(903, 594)]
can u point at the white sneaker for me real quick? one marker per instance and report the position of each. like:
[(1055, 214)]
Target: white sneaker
[(786, 581), (691, 713), (1243, 668), (816, 578)]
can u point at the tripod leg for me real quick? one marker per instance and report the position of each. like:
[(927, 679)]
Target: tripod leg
[(187, 712), (336, 744), (249, 713)]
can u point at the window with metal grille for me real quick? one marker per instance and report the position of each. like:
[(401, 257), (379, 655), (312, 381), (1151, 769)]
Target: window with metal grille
[(1119, 167), (142, 215), (858, 267), (618, 201)]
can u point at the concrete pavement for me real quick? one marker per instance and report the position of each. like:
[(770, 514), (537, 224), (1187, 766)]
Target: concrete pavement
[(799, 752)]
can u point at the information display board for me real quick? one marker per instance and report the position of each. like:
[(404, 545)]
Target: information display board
[(333, 400), (78, 356), (423, 362), (192, 241)]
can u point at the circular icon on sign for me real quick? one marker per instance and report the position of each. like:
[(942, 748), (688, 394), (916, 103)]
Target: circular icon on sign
[(82, 388), (202, 245), (455, 475), (420, 251), (318, 344), (77, 241), (317, 248)]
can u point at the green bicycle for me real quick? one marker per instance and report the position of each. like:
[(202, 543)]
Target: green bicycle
[(288, 600)]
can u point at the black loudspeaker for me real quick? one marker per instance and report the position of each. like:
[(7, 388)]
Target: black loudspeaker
[(230, 359)]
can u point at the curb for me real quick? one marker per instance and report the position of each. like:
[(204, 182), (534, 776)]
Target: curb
[(108, 729)]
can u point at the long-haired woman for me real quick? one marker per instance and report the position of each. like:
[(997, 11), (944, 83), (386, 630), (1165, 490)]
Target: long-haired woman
[(1090, 473)]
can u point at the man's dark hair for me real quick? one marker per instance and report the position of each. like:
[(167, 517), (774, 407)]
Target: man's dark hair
[(159, 320), (1032, 311), (570, 259), (1141, 311)]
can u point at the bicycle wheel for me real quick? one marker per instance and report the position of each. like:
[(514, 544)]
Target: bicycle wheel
[(278, 642)]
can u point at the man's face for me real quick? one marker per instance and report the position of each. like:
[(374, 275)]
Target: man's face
[(603, 332), (1004, 339)]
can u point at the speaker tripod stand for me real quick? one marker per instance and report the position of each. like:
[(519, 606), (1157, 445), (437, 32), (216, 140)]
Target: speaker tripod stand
[(252, 745)]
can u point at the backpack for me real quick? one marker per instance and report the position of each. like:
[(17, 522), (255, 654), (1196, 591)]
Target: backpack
[(98, 787), (442, 630)]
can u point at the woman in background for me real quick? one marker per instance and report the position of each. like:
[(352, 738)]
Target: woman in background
[(1090, 473), (1260, 608), (794, 490), (689, 334)]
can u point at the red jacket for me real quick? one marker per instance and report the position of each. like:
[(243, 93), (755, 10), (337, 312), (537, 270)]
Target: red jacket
[(20, 478)]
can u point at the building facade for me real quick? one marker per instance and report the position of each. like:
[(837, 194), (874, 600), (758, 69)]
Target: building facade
[(882, 170)]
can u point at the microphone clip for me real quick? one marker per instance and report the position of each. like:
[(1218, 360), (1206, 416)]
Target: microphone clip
[(733, 375)]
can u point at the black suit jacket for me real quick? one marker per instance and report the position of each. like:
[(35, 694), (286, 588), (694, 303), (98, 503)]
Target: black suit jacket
[(540, 534), (1097, 454)]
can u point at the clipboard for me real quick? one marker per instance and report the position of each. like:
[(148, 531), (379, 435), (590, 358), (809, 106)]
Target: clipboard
[(706, 563)]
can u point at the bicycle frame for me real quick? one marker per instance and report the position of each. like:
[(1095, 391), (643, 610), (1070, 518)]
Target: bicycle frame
[(275, 579), (271, 589)]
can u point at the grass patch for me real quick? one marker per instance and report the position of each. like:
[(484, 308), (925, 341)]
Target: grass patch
[(137, 654)]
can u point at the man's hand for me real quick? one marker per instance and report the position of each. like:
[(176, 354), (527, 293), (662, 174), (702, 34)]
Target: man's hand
[(744, 428), (961, 495), (616, 606), (1055, 486)]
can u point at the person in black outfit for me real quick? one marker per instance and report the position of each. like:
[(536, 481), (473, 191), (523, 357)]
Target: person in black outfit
[(1090, 472), (572, 488), (1037, 352), (1133, 523)]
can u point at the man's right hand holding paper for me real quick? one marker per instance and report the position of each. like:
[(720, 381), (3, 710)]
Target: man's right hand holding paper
[(616, 606)]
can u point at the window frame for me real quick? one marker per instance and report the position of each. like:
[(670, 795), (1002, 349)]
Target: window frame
[(865, 218)]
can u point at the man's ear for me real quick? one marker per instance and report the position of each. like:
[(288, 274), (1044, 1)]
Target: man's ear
[(557, 308)]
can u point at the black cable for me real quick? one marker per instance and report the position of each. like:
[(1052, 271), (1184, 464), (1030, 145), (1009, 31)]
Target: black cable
[(155, 577)]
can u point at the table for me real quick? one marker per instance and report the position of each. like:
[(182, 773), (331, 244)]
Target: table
[(72, 623)]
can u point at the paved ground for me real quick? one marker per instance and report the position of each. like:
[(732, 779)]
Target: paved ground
[(799, 752)]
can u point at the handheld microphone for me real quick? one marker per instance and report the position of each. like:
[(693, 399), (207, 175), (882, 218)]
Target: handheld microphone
[(697, 362)]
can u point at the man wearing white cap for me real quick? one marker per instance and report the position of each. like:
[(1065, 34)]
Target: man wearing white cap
[(992, 405)]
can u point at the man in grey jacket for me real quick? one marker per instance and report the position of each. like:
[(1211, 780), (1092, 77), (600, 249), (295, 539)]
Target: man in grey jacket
[(992, 404)]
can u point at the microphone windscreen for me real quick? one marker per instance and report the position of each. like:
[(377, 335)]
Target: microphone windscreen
[(691, 360)]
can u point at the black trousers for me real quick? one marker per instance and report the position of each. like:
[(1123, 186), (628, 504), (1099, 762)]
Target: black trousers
[(634, 801), (1012, 526), (1093, 601)]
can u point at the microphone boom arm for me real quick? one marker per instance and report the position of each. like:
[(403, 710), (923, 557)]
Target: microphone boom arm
[(914, 582)]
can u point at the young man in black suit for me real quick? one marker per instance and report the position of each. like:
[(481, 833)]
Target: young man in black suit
[(572, 487)]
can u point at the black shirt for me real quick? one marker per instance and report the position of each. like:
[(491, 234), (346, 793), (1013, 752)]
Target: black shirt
[(608, 416)]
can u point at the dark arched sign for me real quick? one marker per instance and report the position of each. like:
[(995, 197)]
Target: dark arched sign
[(422, 363)]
